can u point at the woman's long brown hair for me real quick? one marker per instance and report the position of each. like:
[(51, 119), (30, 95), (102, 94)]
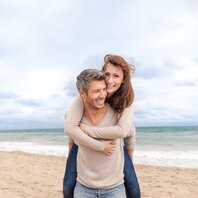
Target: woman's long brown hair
[(124, 96)]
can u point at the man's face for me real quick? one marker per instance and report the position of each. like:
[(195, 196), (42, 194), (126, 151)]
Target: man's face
[(96, 94)]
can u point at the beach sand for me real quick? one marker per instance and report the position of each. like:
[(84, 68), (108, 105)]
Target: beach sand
[(29, 175)]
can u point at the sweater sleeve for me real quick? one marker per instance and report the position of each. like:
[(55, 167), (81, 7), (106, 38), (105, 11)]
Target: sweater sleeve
[(72, 120), (123, 129), (129, 141)]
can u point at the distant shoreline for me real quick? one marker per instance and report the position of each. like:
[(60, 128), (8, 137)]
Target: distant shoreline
[(61, 128)]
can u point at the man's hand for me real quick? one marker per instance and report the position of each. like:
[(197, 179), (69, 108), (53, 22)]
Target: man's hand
[(110, 147)]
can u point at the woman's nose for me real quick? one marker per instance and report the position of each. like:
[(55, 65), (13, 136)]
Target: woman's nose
[(110, 79)]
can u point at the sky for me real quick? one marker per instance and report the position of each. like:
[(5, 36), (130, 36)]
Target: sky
[(44, 44)]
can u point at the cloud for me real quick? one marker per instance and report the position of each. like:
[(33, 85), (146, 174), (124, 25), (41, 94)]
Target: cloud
[(45, 44), (7, 95), (169, 98), (71, 89), (151, 68)]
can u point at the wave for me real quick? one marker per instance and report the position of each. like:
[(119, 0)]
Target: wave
[(30, 147), (188, 159)]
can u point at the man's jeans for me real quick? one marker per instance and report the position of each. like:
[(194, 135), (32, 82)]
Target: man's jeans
[(130, 179), (82, 191)]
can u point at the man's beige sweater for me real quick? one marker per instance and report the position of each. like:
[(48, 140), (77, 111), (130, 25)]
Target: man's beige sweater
[(94, 168)]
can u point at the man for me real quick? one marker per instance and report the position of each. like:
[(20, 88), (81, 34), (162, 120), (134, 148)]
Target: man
[(98, 174)]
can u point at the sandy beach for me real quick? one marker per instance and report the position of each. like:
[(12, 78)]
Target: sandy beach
[(30, 175)]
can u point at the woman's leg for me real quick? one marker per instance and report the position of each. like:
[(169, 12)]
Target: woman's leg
[(130, 178), (69, 180)]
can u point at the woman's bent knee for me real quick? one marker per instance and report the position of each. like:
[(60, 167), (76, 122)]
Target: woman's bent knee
[(68, 191)]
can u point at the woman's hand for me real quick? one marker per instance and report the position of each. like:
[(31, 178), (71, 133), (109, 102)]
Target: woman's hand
[(82, 127), (110, 147)]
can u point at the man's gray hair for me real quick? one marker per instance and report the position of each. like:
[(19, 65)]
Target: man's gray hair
[(86, 76)]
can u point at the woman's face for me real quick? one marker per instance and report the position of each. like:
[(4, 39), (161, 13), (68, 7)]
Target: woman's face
[(113, 77)]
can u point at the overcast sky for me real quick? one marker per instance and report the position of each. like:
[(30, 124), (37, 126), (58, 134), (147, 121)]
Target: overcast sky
[(44, 44)]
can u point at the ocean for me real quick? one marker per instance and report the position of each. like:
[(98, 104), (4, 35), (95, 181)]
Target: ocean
[(163, 146)]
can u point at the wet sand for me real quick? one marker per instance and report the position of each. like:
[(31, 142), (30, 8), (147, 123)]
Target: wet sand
[(37, 176)]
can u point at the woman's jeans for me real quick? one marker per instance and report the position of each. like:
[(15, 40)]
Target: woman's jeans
[(130, 178)]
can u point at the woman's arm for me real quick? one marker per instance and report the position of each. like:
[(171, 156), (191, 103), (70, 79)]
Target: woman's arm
[(72, 120), (71, 128), (129, 142), (121, 130)]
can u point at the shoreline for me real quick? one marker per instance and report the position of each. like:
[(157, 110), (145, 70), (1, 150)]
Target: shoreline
[(136, 163), (163, 159), (34, 175)]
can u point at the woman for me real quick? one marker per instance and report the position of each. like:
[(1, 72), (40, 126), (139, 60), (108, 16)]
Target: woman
[(120, 97)]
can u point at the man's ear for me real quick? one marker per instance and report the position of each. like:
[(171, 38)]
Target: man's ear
[(81, 92)]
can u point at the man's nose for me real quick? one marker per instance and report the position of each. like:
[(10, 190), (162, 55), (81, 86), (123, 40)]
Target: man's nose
[(103, 94)]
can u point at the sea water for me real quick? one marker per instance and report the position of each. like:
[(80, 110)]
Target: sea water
[(164, 146), (167, 146)]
